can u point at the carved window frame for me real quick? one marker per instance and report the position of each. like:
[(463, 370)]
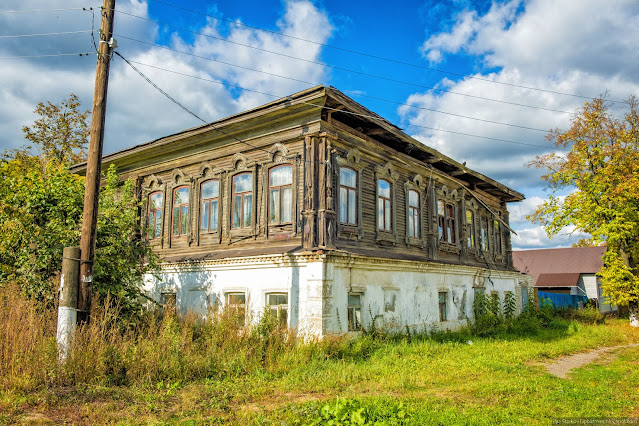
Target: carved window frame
[(418, 185), (279, 156), (179, 179), (240, 165), (485, 243), (352, 160), (182, 233), (151, 185), (208, 173), (386, 172), (449, 198), (472, 207)]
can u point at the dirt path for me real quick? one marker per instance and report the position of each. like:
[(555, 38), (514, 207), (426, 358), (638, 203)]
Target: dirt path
[(564, 365)]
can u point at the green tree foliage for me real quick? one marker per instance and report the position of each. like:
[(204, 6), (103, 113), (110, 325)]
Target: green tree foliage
[(41, 204), (601, 170)]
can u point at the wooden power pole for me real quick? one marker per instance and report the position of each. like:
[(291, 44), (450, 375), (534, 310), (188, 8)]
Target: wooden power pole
[(94, 161)]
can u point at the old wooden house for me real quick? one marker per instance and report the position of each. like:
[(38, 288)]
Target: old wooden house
[(319, 209)]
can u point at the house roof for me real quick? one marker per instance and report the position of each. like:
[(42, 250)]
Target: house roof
[(561, 261), (319, 102), (566, 279)]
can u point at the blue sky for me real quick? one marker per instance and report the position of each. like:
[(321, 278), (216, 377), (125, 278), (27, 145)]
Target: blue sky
[(489, 50)]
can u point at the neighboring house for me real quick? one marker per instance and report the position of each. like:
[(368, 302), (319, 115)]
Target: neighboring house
[(566, 270), (319, 209)]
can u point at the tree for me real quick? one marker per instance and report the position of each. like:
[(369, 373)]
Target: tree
[(601, 169), (41, 205)]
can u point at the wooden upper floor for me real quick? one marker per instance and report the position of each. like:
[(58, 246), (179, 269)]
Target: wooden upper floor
[(314, 171)]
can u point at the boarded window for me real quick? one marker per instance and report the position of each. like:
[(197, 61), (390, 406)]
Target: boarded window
[(210, 202), (443, 308), (354, 312)]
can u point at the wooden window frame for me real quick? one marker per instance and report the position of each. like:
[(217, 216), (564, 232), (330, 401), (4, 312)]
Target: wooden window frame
[(471, 230), (280, 191), (279, 308), (414, 215), (350, 192), (157, 211), (354, 313), (182, 233), (387, 173), (418, 185), (243, 197), (235, 308), (351, 160), (442, 302), (386, 208), (209, 201)]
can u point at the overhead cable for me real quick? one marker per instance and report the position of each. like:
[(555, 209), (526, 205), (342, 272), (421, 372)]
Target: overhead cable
[(45, 34), (369, 55), (225, 40), (346, 91)]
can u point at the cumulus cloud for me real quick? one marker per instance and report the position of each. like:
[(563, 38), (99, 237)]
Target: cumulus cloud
[(136, 111), (560, 46)]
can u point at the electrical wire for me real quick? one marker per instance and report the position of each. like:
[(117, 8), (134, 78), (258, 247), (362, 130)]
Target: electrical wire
[(45, 34), (47, 56), (369, 55), (338, 110), (346, 91), (39, 10), (338, 67)]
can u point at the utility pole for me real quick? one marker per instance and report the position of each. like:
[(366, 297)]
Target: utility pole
[(94, 161)]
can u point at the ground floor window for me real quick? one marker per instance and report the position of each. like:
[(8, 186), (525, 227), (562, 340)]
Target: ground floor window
[(169, 301), (443, 309), (236, 306), (278, 305), (354, 312)]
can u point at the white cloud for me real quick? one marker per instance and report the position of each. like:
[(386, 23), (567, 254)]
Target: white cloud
[(563, 46), (136, 111)]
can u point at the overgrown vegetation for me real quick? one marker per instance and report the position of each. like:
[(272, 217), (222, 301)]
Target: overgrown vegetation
[(221, 369), (41, 204)]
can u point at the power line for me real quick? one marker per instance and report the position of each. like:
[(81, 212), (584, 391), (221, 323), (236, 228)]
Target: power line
[(335, 109), (315, 84), (46, 34), (47, 56), (39, 10), (369, 55), (338, 67)]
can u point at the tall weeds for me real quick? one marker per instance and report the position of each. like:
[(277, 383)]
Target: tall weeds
[(160, 349)]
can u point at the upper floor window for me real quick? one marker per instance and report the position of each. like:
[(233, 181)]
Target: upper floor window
[(446, 222), (483, 234), (497, 237), (384, 210), (347, 196), (155, 214), (470, 229), (180, 210), (413, 214), (210, 201), (242, 200), (281, 195)]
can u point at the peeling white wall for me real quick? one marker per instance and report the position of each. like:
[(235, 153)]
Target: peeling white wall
[(395, 295)]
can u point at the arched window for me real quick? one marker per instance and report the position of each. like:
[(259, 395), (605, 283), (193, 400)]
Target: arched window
[(384, 209), (155, 214), (413, 214), (210, 201), (470, 229), (242, 200), (280, 195), (347, 196), (180, 210)]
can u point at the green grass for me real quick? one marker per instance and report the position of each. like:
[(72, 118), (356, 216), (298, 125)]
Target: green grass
[(444, 380)]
